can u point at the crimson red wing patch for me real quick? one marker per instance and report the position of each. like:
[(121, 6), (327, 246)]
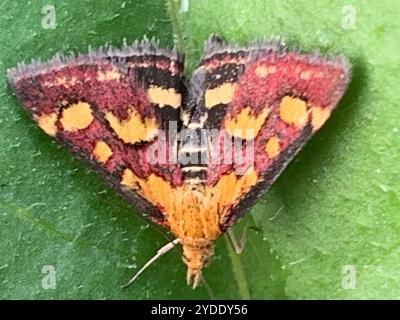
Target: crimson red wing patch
[(270, 101), (192, 158), (107, 108)]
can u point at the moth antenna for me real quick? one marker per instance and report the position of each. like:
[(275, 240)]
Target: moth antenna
[(160, 253)]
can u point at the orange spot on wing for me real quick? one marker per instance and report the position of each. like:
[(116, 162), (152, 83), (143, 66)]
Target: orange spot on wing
[(305, 75), (293, 111), (244, 124), (133, 129), (319, 116), (230, 188), (76, 117), (219, 95), (108, 75), (129, 179), (272, 148), (48, 123), (264, 70), (164, 97), (102, 151)]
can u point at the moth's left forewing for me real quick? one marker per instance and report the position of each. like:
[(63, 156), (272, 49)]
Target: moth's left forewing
[(109, 107)]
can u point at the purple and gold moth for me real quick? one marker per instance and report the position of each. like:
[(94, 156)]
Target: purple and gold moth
[(192, 156)]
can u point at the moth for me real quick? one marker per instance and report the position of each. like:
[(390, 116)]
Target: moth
[(193, 156)]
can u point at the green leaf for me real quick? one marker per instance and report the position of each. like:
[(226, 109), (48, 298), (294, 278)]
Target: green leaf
[(335, 206)]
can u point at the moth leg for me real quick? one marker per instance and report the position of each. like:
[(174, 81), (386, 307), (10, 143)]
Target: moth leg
[(238, 246), (160, 252)]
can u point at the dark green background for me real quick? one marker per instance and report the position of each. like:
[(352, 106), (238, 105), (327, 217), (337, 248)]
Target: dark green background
[(337, 204)]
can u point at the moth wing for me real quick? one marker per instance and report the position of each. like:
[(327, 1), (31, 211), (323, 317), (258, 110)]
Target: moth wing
[(107, 108), (265, 103)]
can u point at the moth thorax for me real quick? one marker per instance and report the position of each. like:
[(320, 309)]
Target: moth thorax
[(193, 154)]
